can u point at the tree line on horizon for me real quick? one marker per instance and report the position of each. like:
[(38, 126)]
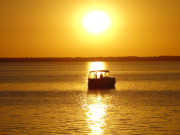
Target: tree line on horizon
[(88, 59)]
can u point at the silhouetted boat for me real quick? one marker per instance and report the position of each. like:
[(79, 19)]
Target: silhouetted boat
[(100, 79)]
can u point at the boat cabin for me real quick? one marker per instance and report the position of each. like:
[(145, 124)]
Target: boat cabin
[(96, 74), (100, 79)]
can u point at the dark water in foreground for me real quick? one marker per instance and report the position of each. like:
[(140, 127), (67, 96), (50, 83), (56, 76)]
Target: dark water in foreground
[(52, 98)]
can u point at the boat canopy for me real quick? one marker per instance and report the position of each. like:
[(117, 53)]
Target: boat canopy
[(98, 71)]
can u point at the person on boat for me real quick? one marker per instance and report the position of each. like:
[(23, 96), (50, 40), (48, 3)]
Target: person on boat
[(95, 76), (101, 76)]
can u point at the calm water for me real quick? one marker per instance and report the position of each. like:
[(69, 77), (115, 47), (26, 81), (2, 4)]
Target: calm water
[(53, 98)]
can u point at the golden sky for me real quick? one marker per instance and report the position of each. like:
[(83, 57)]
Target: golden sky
[(53, 28)]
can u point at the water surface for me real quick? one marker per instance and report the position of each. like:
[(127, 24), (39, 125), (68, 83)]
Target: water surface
[(53, 98)]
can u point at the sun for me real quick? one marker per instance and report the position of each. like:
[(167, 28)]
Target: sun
[(96, 22)]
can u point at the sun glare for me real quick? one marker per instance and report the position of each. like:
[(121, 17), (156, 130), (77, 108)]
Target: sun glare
[(96, 22), (96, 66)]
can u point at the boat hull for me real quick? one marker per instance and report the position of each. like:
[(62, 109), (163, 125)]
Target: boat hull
[(101, 83)]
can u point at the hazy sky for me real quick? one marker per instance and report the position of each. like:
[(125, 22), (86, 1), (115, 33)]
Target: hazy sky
[(53, 28)]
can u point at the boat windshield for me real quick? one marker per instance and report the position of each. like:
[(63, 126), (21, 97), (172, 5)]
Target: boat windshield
[(99, 74)]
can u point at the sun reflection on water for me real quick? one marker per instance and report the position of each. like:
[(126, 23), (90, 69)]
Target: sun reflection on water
[(96, 66), (96, 114)]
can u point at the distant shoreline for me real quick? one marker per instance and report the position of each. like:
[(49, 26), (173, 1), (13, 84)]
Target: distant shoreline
[(89, 59)]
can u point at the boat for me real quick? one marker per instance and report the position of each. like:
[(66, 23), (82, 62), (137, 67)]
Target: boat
[(100, 79)]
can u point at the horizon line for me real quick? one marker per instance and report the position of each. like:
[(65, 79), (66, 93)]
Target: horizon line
[(98, 56)]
